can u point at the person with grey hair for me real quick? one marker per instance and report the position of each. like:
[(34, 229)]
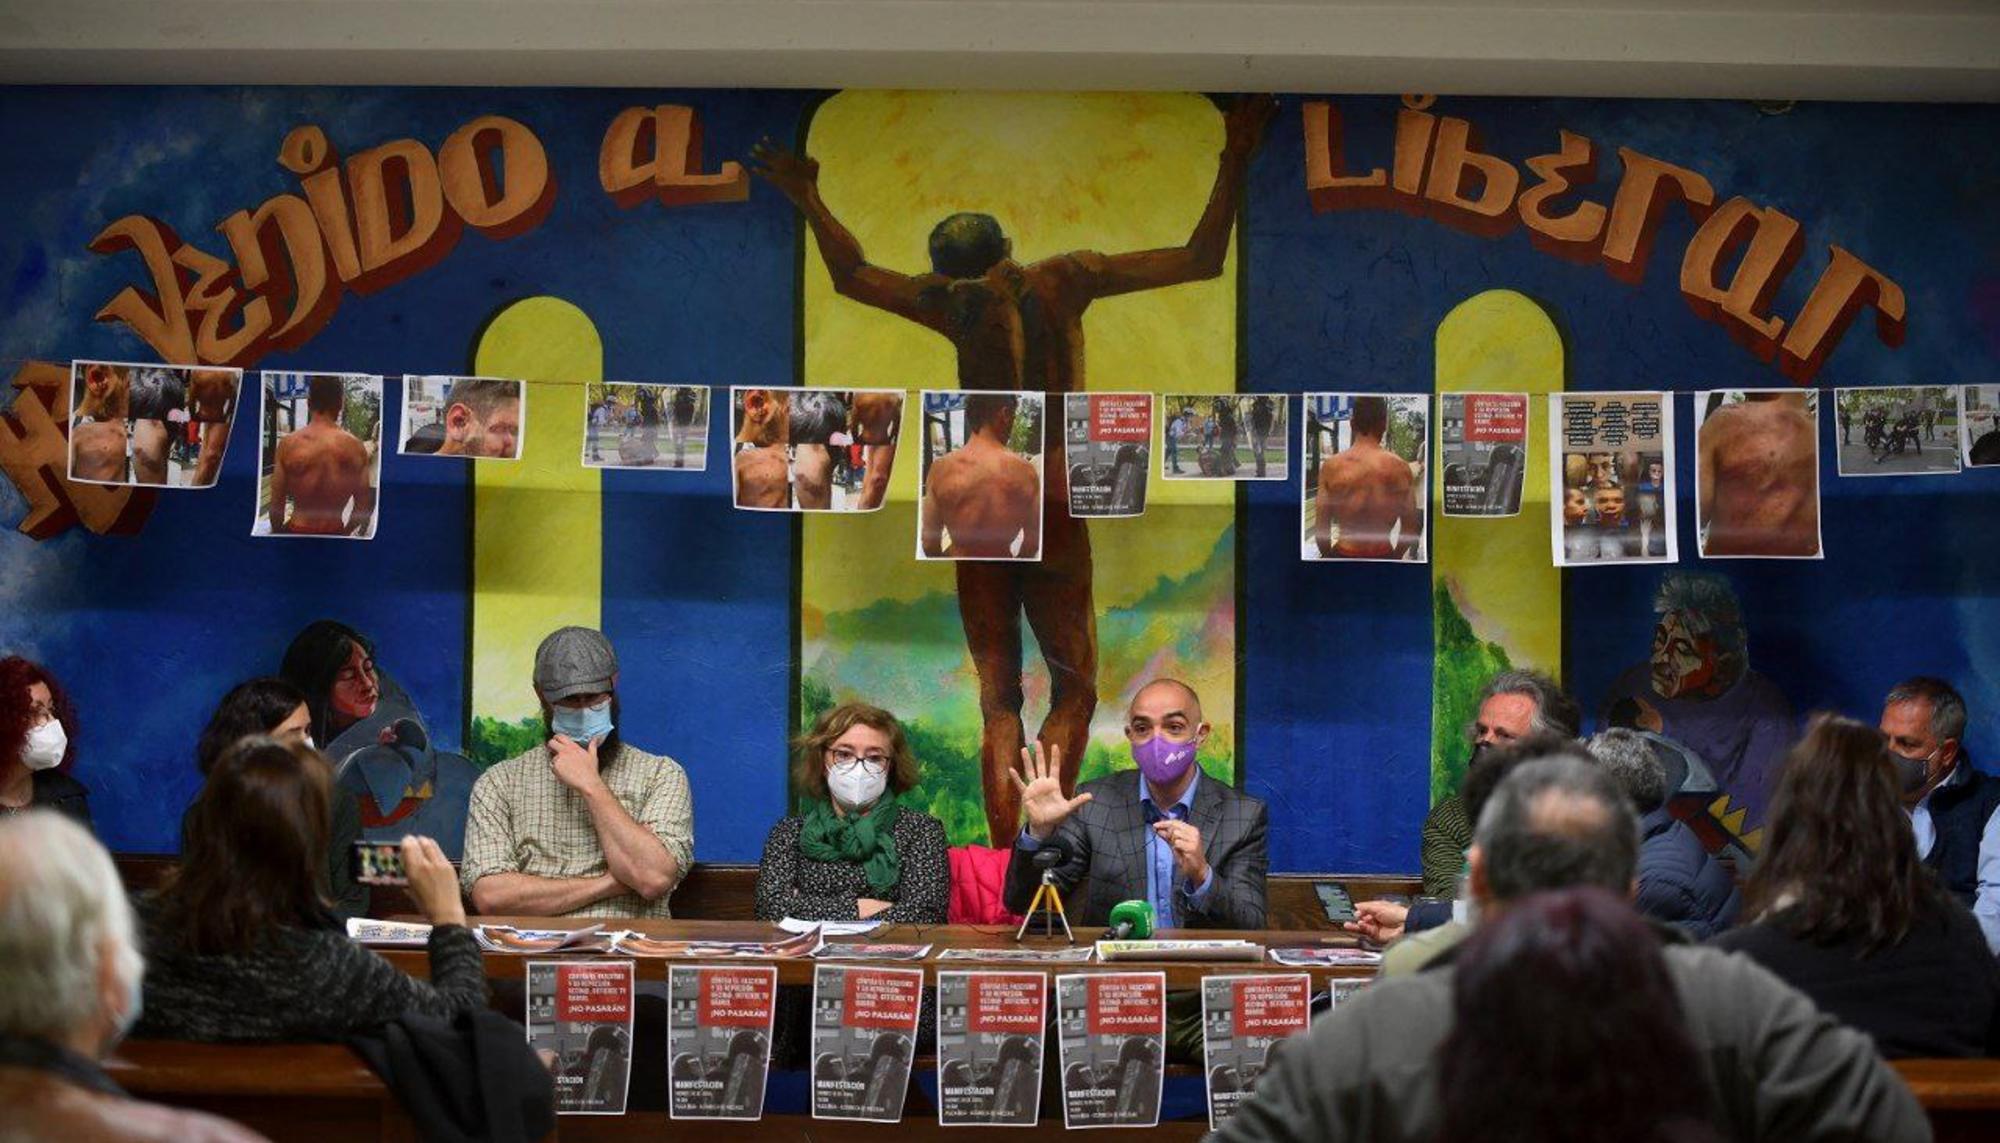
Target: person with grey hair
[(70, 974), (1512, 705), (1773, 1065), (1680, 882), (1954, 808), (1698, 689)]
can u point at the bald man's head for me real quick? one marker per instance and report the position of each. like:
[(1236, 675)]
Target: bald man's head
[(1165, 706)]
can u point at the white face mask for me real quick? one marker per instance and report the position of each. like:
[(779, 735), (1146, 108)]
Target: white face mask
[(856, 786), (45, 747)]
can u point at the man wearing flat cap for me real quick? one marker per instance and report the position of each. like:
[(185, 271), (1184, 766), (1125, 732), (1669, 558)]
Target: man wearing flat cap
[(585, 825)]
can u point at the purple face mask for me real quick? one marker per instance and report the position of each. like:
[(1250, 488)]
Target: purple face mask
[(1162, 760)]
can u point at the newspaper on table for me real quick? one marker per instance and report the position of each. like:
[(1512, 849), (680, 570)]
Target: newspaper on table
[(831, 928), (638, 944), (864, 1040), (1243, 1019), (1319, 956), (1483, 452), (508, 939), (1067, 954), (719, 1039), (991, 1033), (1113, 1031), (579, 1023), (1108, 951), (833, 951), (387, 934), (1611, 463)]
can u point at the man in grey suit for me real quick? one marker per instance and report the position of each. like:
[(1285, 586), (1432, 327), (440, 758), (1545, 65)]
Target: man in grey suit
[(1189, 844)]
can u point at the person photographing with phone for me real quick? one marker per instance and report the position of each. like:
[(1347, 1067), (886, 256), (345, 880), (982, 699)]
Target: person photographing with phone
[(241, 941)]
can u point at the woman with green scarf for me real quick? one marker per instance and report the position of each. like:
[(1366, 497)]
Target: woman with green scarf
[(854, 851)]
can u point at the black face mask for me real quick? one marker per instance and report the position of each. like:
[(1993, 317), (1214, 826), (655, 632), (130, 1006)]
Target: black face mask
[(1912, 773)]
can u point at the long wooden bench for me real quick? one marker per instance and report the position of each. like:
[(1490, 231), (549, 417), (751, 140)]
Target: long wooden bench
[(1962, 1097), (719, 892), (304, 1092)]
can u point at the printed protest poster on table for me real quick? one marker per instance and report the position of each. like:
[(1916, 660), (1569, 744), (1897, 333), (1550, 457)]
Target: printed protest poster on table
[(979, 494), (1107, 438), (1113, 1032), (580, 1026), (1611, 460), (1756, 481), (864, 1040), (1483, 452), (1364, 492), (1243, 1019), (719, 1039), (991, 1033), (319, 456)]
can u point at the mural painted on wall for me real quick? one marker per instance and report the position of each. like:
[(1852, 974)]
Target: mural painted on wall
[(567, 238)]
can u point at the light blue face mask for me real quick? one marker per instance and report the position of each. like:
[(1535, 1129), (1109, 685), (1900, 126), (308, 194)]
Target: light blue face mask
[(581, 725)]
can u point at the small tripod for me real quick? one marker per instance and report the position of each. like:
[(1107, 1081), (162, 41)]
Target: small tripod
[(1048, 902)]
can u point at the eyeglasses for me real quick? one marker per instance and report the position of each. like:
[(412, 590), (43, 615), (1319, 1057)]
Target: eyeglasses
[(846, 760)]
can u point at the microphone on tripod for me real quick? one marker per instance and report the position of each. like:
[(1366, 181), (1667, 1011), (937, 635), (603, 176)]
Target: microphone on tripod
[(1131, 921)]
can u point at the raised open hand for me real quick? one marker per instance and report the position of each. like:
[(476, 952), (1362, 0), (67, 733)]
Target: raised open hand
[(1042, 799), (792, 173)]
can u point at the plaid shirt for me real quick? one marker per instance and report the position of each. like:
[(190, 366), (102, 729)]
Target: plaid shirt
[(522, 819)]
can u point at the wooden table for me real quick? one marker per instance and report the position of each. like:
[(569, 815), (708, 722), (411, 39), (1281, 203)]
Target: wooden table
[(1180, 974)]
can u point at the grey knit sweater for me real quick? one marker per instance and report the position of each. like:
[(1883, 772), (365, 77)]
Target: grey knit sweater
[(300, 984)]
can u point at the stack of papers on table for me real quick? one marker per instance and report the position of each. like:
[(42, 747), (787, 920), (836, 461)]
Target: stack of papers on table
[(388, 934), (830, 928), (508, 939), (1180, 950), (1321, 957)]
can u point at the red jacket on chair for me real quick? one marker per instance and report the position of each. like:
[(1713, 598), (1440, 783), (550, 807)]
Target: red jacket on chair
[(978, 873)]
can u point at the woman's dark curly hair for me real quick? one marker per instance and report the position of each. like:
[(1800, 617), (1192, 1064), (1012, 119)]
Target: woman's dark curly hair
[(16, 711)]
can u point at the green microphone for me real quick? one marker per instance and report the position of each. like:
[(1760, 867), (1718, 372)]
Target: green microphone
[(1131, 921)]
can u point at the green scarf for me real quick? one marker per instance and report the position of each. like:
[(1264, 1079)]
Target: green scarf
[(867, 840)]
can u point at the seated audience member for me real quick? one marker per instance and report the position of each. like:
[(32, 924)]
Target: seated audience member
[(1192, 846), (277, 709), (1513, 705), (1680, 882), (241, 942), (35, 748), (1773, 1065), (853, 851), (1842, 909), (1587, 974), (586, 825), (1954, 809), (69, 989), (1434, 926)]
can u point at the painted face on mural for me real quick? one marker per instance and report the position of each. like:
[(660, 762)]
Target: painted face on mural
[(1684, 663), (355, 688)]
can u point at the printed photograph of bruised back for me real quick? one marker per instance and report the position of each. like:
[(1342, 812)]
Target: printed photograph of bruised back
[(479, 417), (980, 491), (1365, 492), (161, 426), (1756, 481), (319, 456), (813, 450)]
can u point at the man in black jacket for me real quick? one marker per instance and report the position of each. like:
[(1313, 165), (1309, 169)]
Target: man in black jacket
[(1954, 808)]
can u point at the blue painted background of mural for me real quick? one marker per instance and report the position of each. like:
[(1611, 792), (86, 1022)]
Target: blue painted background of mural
[(148, 630)]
